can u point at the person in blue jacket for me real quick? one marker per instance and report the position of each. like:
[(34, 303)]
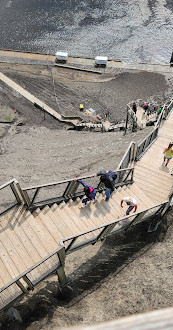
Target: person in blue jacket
[(89, 192)]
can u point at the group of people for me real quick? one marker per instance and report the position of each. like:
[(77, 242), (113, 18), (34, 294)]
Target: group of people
[(148, 108), (152, 108), (108, 179)]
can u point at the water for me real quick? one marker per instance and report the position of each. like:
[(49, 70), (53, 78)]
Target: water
[(132, 31)]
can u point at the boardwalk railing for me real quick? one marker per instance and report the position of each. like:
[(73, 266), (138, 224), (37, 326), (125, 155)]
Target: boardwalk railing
[(10, 195), (165, 112), (148, 141), (26, 281), (128, 158), (56, 192)]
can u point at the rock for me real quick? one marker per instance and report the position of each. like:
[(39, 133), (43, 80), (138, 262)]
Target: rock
[(14, 314)]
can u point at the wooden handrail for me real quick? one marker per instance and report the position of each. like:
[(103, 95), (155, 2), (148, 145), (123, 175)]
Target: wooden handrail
[(69, 180)]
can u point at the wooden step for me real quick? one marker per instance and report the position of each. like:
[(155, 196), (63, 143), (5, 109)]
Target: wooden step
[(69, 221), (82, 223), (65, 230), (41, 231), (10, 235), (86, 214), (31, 241), (46, 219), (139, 193)]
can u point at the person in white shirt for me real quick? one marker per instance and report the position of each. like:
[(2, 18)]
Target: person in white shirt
[(131, 202)]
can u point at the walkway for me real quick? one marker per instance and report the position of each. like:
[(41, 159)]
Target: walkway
[(8, 55), (34, 99)]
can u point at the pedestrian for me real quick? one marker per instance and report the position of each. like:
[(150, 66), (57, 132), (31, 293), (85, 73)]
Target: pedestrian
[(131, 202), (89, 192), (168, 152), (108, 178), (134, 107), (145, 106), (159, 110)]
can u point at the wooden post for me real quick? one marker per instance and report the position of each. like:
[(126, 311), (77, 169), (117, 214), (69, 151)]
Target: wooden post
[(24, 195), (168, 204), (127, 117), (13, 188), (60, 271)]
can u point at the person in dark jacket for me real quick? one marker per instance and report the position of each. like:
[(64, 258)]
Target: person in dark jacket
[(89, 192), (134, 107), (108, 178)]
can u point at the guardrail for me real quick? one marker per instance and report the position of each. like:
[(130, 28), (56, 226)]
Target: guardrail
[(150, 138), (129, 157), (26, 281), (16, 192), (165, 112), (67, 189), (146, 143)]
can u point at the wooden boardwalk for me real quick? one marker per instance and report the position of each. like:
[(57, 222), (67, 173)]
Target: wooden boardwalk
[(35, 100), (26, 238)]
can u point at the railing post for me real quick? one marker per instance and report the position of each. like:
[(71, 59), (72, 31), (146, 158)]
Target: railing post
[(127, 117), (13, 188), (23, 194), (71, 189), (60, 271), (168, 204), (137, 218), (106, 230)]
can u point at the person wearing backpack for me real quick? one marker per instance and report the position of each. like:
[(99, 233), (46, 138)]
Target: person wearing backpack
[(108, 178), (89, 192)]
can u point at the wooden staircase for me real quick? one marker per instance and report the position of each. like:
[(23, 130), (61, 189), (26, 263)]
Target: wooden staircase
[(26, 238)]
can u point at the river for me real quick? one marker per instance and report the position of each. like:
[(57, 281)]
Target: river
[(131, 31)]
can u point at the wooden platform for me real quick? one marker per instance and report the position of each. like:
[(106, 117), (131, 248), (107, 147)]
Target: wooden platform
[(26, 238)]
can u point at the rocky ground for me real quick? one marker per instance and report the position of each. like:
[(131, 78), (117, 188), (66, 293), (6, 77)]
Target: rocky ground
[(126, 275)]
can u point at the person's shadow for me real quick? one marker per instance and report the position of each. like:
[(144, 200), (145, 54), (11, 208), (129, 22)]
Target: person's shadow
[(164, 168), (102, 208), (86, 212)]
